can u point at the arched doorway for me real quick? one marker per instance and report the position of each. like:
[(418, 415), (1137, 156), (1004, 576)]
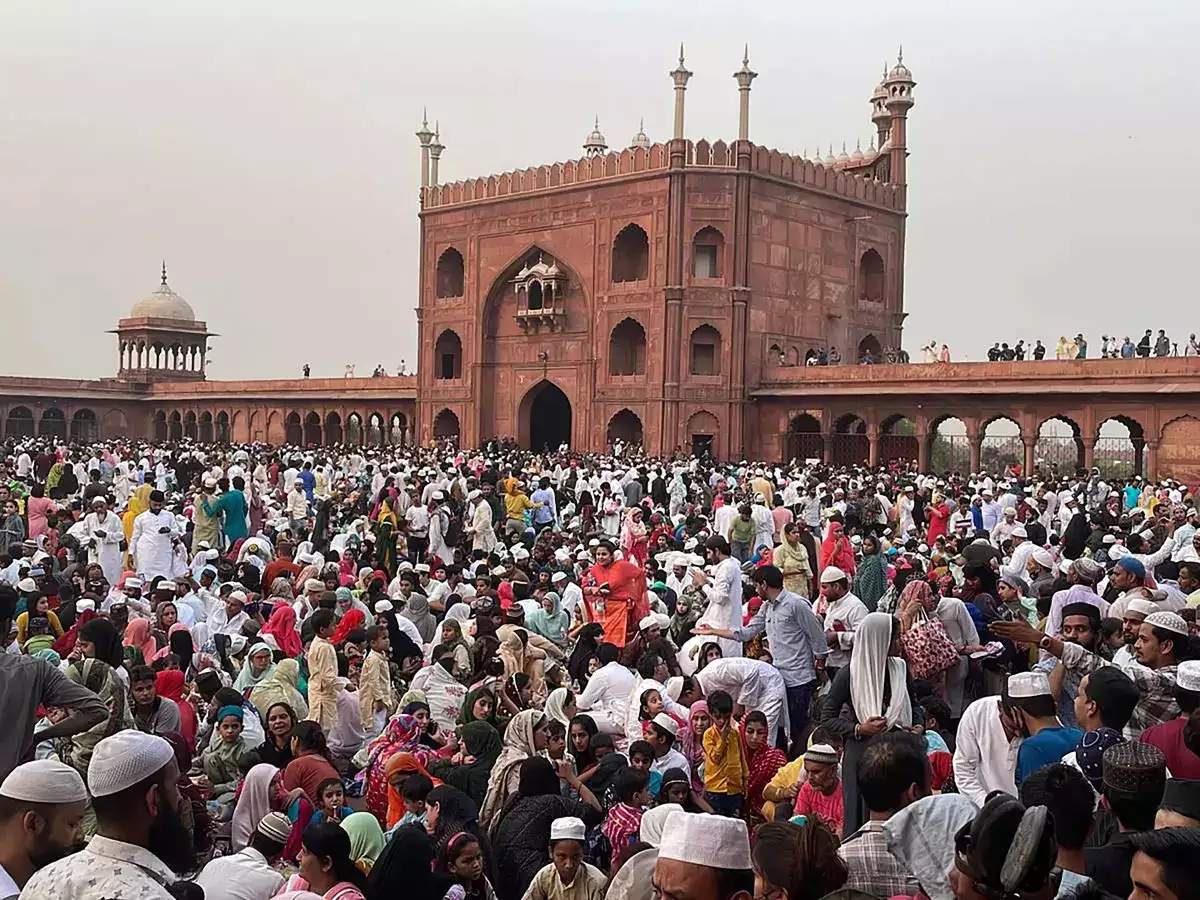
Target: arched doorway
[(445, 426), (544, 418), (625, 426), (20, 422), (804, 439)]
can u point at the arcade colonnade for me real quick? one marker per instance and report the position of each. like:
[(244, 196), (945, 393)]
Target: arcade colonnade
[(307, 425)]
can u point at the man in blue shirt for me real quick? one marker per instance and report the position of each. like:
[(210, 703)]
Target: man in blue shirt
[(546, 514), (796, 639), (1047, 740), (308, 479)]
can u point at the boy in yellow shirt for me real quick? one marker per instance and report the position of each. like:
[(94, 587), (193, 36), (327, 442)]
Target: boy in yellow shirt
[(725, 770)]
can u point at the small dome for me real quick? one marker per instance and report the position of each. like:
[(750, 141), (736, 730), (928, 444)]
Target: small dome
[(829, 160), (843, 157), (857, 155), (163, 304), (900, 72), (595, 142), (640, 139)]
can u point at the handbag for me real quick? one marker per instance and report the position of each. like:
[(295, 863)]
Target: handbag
[(927, 648)]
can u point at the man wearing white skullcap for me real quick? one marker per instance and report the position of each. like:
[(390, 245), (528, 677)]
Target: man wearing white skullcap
[(41, 808), (247, 874), (567, 877), (842, 617), (27, 683), (704, 857), (1046, 739), (140, 841)]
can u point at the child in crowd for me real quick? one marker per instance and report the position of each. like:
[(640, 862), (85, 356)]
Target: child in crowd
[(725, 769), (624, 819), (781, 791), (821, 794), (40, 635), (641, 756), (221, 760), (556, 742), (331, 805), (677, 788), (650, 704), (416, 790), (462, 859)]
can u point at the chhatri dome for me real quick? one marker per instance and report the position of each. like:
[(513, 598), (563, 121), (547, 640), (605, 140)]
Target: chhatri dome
[(164, 303)]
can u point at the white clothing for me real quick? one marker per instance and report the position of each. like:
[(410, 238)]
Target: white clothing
[(849, 611), (725, 603), (245, 875), (154, 553), (753, 684), (106, 551), (1018, 563), (104, 868), (606, 696), (985, 760), (483, 536)]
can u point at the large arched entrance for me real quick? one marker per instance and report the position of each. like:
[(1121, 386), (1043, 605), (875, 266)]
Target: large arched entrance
[(544, 418)]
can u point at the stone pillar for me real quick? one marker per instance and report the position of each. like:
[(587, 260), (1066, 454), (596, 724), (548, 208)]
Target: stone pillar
[(827, 448), (425, 136), (1089, 454), (435, 154), (872, 446), (974, 442), (680, 76), (744, 76), (1151, 461), (1029, 443), (923, 439)]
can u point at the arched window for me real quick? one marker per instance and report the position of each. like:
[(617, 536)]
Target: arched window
[(868, 348), (870, 276), (705, 354), (450, 273), (627, 349), (447, 356), (708, 247), (630, 255)]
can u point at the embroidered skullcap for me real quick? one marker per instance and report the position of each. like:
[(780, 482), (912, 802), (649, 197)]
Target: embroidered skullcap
[(821, 753), (85, 603), (568, 828), (1089, 753), (165, 585), (1029, 684), (276, 826), (666, 723), (1087, 570), (832, 574), (124, 759), (1169, 621), (384, 606), (704, 839), (1133, 767), (1187, 676), (1042, 557), (422, 567), (1132, 565), (1140, 606), (44, 781), (236, 711), (27, 586)]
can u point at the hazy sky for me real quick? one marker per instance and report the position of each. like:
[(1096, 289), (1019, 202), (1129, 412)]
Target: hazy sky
[(266, 150)]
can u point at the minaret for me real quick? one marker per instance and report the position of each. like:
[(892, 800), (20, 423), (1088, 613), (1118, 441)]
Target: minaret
[(680, 76), (425, 136), (595, 145), (899, 86), (744, 76), (435, 153), (879, 113)]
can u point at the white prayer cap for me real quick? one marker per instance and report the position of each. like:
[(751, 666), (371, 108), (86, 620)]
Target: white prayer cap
[(405, 566), (832, 574), (165, 585), (582, 556), (1140, 606), (519, 553), (240, 596), (44, 781), (422, 567), (557, 577), (674, 687), (1187, 677), (648, 622), (1029, 684), (85, 603), (568, 828), (27, 585), (1169, 621), (654, 820), (1020, 532), (664, 621), (1042, 557), (124, 759), (99, 499), (438, 495), (499, 570), (384, 606), (706, 840), (666, 723)]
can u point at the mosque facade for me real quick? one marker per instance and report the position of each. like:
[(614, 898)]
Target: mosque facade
[(666, 294)]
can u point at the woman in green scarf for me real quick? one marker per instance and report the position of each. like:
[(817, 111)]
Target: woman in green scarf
[(366, 839), (481, 748), (101, 679), (479, 706), (870, 580)]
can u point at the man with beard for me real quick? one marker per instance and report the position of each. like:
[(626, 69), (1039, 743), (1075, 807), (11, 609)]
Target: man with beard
[(1080, 625), (41, 808), (140, 838)]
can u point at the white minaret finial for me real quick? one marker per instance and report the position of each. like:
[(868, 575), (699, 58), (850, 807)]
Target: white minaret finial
[(425, 136), (435, 153), (744, 76), (680, 76)]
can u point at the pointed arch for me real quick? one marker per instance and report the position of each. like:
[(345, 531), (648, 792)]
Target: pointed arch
[(625, 426), (450, 273), (708, 253), (448, 356), (871, 276), (630, 255), (627, 348), (704, 351)]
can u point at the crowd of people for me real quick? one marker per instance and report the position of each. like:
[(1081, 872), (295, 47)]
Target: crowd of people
[(1110, 348), (252, 672)]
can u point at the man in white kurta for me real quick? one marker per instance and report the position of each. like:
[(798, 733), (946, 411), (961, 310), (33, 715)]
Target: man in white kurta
[(724, 592), (152, 543), (479, 523), (606, 696), (753, 684), (106, 532), (985, 757)]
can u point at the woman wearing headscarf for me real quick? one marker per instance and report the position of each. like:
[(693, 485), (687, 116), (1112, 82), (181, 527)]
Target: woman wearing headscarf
[(385, 525), (366, 839), (138, 637), (691, 743), (405, 868), (870, 581), (281, 686), (472, 707), (257, 667), (470, 770), (353, 619), (587, 641), (102, 680), (875, 688), (397, 771), (634, 540), (416, 610), (281, 626), (918, 602), (521, 834), (836, 549), (454, 642), (402, 735), (169, 683), (791, 558), (99, 639), (65, 644), (524, 737), (550, 620), (560, 706)]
